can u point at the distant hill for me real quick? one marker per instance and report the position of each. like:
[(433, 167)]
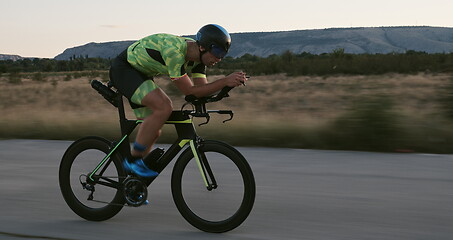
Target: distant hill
[(95, 50), (352, 40), (10, 57)]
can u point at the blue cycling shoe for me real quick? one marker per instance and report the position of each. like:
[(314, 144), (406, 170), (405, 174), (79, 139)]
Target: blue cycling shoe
[(139, 168)]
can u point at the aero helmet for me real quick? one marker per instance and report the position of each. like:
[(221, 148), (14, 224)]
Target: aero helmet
[(215, 39)]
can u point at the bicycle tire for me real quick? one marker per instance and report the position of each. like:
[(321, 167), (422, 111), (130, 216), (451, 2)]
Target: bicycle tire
[(228, 156), (67, 174)]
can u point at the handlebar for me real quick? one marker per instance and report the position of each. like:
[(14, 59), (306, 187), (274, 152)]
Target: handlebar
[(200, 105), (214, 98)]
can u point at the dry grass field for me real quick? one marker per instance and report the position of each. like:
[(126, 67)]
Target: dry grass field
[(300, 112)]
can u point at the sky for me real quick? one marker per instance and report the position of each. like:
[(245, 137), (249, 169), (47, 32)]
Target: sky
[(45, 28)]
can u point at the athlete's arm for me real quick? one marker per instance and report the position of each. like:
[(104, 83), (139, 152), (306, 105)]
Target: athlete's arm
[(200, 81), (200, 86)]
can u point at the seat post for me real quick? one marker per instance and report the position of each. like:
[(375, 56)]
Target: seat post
[(127, 126), (122, 115)]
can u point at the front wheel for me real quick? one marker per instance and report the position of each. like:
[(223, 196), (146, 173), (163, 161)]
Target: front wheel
[(217, 193)]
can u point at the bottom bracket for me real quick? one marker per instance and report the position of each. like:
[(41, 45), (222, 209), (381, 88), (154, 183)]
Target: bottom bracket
[(135, 191)]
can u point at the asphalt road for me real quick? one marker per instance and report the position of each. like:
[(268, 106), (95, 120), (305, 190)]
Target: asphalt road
[(301, 194)]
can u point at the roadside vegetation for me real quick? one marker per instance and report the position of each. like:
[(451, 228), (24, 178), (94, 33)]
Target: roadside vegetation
[(390, 102), (336, 62)]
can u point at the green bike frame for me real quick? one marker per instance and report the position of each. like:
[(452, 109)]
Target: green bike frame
[(186, 136)]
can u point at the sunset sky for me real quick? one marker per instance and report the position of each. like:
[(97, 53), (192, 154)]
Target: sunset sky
[(45, 28)]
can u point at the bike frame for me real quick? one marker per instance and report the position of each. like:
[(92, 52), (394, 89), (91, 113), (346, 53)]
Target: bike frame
[(186, 135)]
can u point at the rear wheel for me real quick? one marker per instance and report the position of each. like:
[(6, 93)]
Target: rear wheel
[(101, 197), (230, 195)]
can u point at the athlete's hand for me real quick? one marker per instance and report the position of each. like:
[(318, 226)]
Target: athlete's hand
[(235, 79)]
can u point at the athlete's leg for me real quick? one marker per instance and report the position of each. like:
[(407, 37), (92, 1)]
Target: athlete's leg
[(139, 88), (149, 130), (160, 105)]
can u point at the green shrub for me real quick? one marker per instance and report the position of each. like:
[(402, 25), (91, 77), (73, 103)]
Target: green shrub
[(446, 100), (14, 78), (370, 124), (68, 77), (38, 77)]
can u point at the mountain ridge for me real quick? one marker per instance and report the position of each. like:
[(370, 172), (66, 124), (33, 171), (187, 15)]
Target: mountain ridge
[(317, 41), (10, 57), (357, 40)]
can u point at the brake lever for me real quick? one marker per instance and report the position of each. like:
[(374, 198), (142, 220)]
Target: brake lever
[(207, 121), (231, 118)]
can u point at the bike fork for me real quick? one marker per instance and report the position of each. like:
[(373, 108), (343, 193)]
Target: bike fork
[(203, 165)]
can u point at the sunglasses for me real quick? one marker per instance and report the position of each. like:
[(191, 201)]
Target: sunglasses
[(218, 52)]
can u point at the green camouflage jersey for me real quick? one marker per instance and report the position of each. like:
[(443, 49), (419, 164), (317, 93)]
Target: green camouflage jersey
[(164, 54)]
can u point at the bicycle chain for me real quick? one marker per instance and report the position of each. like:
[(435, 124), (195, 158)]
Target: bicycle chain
[(114, 204)]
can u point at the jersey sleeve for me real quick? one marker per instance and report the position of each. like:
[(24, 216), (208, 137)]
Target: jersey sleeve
[(199, 71)]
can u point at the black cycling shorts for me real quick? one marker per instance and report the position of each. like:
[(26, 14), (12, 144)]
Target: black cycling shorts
[(125, 78)]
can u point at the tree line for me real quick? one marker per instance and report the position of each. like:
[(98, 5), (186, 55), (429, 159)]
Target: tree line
[(339, 62), (336, 62), (27, 65)]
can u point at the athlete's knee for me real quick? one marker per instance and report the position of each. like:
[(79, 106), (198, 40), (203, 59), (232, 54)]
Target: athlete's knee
[(165, 109), (158, 102), (165, 106)]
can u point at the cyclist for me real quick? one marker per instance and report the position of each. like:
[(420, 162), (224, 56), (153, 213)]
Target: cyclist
[(184, 60)]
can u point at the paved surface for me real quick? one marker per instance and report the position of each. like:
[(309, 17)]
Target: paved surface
[(301, 194)]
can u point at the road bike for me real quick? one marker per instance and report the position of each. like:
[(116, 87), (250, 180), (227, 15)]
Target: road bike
[(212, 184)]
